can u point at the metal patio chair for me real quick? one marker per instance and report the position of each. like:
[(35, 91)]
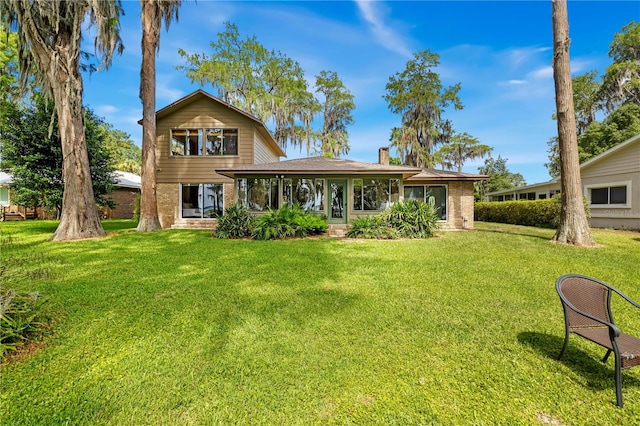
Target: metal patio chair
[(586, 303)]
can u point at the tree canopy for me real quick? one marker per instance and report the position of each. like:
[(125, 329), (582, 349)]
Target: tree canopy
[(461, 148), (499, 177), (266, 84), (419, 96), (615, 96), (33, 155), (336, 109)]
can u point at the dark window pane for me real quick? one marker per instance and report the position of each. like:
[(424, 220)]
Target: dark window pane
[(599, 195), (191, 202), (230, 144), (437, 196), (618, 195)]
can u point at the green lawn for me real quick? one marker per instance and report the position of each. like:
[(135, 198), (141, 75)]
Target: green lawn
[(177, 327)]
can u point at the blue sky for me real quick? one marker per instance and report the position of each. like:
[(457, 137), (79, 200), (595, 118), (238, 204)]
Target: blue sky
[(500, 52)]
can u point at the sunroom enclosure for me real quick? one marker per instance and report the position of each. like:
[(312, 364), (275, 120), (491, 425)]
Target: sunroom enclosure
[(340, 198)]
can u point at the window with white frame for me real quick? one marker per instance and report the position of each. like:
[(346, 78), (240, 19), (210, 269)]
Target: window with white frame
[(201, 200), (375, 194), (610, 195), (436, 195), (257, 194), (208, 142)]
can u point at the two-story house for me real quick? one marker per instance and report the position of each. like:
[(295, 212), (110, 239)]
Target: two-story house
[(211, 155)]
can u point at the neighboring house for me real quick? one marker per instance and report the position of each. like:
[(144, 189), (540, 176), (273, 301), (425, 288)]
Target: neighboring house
[(5, 183), (124, 194), (211, 155), (610, 182)]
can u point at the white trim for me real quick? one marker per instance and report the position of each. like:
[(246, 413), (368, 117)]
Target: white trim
[(587, 193)]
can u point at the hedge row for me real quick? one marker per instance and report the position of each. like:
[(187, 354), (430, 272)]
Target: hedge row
[(540, 213)]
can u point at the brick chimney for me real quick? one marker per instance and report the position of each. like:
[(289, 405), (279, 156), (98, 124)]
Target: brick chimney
[(383, 156)]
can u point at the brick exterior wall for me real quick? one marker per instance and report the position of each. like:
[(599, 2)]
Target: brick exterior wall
[(168, 198), (125, 199), (460, 215)]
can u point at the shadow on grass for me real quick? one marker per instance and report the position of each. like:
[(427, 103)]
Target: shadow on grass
[(598, 375), (519, 230)]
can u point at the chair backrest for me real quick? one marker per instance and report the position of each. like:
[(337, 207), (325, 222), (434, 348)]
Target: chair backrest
[(588, 295)]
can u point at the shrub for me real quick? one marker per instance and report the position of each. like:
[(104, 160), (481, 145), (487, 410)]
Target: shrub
[(412, 219), (370, 227), (286, 222), (236, 222), (540, 213), (21, 319), (407, 219)]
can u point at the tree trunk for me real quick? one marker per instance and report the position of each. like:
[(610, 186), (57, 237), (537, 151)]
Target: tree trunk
[(150, 37), (574, 226), (79, 216)]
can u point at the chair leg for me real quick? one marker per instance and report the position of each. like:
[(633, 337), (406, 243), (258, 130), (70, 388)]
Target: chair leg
[(565, 344), (619, 401), (606, 357)]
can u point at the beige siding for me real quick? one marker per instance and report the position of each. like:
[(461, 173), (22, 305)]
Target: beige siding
[(262, 154), (620, 168), (200, 114), (626, 160)]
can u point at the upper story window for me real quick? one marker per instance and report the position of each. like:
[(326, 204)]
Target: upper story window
[(201, 142), (222, 141)]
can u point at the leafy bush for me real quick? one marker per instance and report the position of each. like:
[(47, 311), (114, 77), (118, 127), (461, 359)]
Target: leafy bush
[(310, 224), (236, 222), (21, 318), (407, 219), (286, 222), (370, 227), (540, 213), (412, 219)]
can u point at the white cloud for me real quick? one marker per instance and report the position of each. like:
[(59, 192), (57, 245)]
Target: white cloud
[(541, 73), (106, 110), (166, 89), (385, 35)]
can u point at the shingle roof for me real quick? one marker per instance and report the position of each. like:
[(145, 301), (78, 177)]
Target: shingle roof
[(340, 166), (432, 174)]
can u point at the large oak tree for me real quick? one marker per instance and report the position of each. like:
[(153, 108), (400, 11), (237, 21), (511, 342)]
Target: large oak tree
[(49, 37)]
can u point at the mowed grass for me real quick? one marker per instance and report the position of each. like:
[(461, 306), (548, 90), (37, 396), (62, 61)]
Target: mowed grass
[(179, 328)]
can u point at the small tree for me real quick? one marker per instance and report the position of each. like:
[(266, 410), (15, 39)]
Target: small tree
[(34, 156)]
